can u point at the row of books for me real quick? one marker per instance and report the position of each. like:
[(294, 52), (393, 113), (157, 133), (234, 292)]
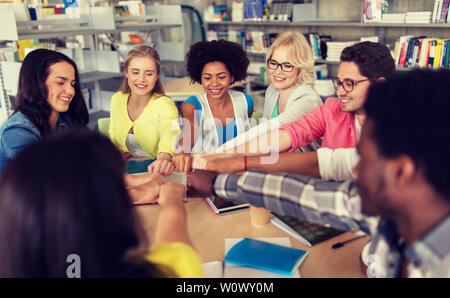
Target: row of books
[(413, 17), (129, 8), (381, 11), (420, 51), (251, 41), (25, 13), (440, 11), (374, 9), (318, 44), (253, 10)]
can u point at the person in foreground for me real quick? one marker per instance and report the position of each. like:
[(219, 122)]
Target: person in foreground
[(401, 196), (144, 121), (49, 99), (65, 196)]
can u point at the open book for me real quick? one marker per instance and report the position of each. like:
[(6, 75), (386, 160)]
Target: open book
[(306, 232)]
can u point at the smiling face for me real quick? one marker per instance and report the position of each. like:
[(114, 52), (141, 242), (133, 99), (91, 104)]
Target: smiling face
[(142, 74), (60, 86), (280, 79), (216, 79), (352, 101)]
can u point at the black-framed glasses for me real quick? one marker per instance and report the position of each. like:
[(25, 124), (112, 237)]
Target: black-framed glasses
[(347, 84), (286, 67)]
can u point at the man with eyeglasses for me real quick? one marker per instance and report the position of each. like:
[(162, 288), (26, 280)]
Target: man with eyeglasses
[(338, 121)]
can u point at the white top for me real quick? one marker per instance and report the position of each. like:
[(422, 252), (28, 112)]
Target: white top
[(208, 140), (134, 147)]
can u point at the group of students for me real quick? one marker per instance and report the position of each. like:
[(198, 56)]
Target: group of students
[(68, 192)]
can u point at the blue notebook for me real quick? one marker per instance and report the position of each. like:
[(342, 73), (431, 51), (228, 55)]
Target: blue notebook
[(263, 255), (138, 166)]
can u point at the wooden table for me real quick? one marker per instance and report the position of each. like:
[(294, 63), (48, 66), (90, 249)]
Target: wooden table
[(208, 233)]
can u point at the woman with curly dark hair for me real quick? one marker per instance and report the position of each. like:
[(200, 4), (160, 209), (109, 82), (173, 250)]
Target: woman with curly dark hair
[(49, 99), (219, 114)]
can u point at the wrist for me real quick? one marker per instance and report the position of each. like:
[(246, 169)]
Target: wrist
[(164, 155)]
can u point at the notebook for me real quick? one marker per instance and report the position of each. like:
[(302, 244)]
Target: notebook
[(137, 166), (266, 256)]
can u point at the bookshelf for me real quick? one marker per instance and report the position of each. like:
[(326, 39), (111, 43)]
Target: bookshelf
[(344, 21), (94, 63)]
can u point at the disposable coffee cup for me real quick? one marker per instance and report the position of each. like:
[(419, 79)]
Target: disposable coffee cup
[(259, 217)]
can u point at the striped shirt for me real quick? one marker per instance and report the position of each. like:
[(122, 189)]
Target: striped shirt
[(338, 205)]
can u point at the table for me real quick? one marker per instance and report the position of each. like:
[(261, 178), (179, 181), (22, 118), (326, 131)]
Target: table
[(208, 233)]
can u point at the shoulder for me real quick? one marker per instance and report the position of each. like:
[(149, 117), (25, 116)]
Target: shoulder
[(305, 92), (178, 256), (248, 97), (19, 120), (192, 100), (119, 98)]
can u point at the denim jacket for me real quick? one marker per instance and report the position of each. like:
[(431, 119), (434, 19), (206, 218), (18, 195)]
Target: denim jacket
[(17, 132)]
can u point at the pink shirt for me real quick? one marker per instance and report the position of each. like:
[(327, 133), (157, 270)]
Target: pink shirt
[(336, 126)]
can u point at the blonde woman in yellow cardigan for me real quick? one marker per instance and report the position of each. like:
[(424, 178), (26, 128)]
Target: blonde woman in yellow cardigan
[(144, 122)]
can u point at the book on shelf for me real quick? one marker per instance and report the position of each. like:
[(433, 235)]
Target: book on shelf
[(306, 232), (418, 17), (444, 11)]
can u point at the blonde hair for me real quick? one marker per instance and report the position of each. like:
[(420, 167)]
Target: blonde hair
[(142, 51), (302, 55)]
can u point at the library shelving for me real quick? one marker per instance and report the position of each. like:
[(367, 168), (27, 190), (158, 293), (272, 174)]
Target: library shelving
[(94, 64)]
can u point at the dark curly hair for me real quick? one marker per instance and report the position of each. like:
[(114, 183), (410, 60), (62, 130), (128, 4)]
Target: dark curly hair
[(229, 53), (374, 59), (32, 92), (410, 111), (79, 206)]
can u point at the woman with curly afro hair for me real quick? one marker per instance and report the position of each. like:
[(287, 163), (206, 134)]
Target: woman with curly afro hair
[(219, 114)]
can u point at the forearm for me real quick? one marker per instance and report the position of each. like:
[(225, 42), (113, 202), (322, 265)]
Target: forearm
[(300, 196), (305, 163), (273, 141), (172, 225)]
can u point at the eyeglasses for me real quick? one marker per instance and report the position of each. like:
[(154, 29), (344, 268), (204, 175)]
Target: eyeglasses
[(286, 67), (347, 84)]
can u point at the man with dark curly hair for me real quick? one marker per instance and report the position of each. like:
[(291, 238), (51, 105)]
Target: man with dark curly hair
[(219, 114)]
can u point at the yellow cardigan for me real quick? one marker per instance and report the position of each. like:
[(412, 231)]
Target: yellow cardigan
[(156, 129)]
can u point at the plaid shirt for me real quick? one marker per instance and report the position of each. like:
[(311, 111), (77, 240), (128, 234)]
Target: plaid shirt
[(337, 204)]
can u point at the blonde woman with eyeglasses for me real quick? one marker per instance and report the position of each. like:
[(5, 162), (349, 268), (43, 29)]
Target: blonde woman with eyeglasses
[(291, 93)]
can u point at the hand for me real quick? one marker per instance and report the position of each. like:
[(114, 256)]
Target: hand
[(162, 165), (221, 163), (200, 183), (125, 155), (172, 194), (138, 179), (148, 192), (182, 162)]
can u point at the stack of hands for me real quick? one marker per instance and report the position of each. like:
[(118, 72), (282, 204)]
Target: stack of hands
[(200, 169)]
